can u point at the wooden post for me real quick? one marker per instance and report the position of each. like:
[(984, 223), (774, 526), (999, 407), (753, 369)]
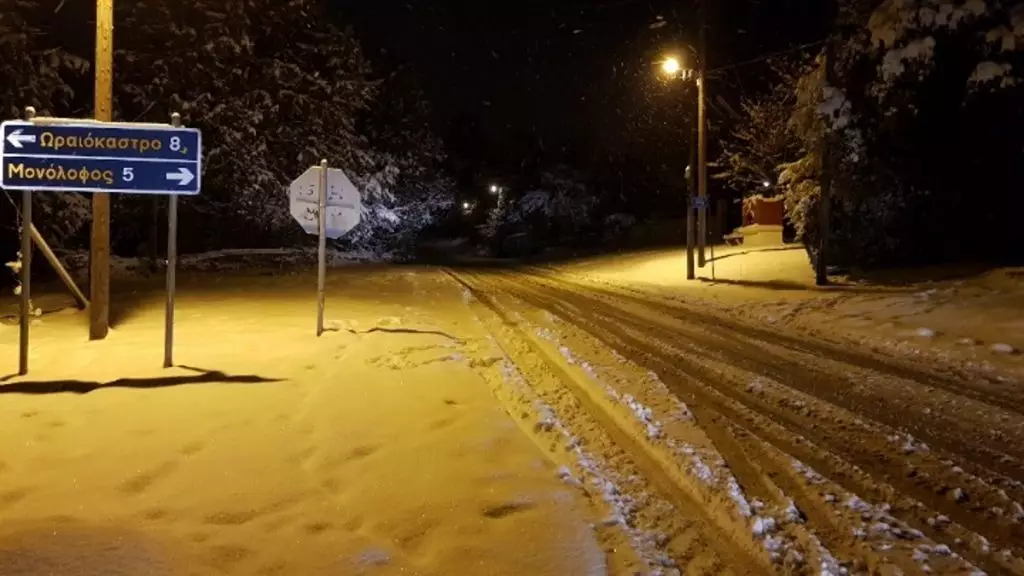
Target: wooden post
[(825, 199), (99, 256), (172, 267)]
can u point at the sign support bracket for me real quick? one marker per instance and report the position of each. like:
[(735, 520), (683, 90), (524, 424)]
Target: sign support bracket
[(57, 265)]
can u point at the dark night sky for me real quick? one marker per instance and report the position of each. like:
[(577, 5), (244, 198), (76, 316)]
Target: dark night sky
[(511, 80)]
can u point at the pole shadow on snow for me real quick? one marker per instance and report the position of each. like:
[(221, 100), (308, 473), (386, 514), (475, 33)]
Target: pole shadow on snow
[(783, 285), (791, 286), (721, 257), (85, 387)]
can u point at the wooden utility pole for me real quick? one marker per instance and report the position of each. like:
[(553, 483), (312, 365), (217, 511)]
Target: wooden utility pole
[(702, 138), (827, 167), (99, 256)]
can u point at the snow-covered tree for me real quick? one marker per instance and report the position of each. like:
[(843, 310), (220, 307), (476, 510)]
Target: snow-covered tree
[(36, 71), (925, 114), (408, 190), (558, 210), (763, 139), (274, 86)]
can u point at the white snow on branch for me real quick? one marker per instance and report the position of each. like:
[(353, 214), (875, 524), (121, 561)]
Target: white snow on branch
[(835, 108), (893, 19), (989, 71), (1004, 38), (894, 62)]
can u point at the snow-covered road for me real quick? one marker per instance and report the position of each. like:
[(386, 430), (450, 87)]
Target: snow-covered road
[(833, 456), (490, 421)]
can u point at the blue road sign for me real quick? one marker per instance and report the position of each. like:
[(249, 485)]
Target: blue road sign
[(97, 157)]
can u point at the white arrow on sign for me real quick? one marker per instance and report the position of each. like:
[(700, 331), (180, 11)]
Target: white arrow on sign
[(183, 176), (16, 138)]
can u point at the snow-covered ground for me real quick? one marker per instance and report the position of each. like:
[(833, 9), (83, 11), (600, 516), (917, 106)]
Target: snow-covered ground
[(977, 318), (377, 448), (603, 417)]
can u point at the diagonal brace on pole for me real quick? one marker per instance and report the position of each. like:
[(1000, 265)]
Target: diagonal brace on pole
[(65, 277)]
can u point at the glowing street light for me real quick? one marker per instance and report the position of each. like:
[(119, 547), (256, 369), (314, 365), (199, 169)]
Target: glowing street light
[(766, 184), (671, 66), (494, 188)]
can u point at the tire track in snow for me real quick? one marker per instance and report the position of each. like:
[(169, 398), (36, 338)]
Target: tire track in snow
[(729, 539), (981, 387), (739, 407), (753, 475), (990, 475)]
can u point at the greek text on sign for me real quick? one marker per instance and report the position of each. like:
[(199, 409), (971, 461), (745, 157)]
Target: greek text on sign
[(344, 204), (100, 157)]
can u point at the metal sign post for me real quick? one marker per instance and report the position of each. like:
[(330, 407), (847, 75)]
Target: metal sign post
[(321, 275), (26, 280), (25, 317), (172, 266), (325, 203)]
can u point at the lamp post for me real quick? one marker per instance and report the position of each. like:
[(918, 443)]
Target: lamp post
[(499, 191), (674, 69)]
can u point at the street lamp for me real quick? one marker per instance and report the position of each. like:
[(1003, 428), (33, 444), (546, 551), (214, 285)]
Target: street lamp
[(499, 191), (674, 69), (671, 66)]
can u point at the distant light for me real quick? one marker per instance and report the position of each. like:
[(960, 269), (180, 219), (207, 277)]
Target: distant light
[(671, 66), (465, 205), (766, 184), (494, 188)]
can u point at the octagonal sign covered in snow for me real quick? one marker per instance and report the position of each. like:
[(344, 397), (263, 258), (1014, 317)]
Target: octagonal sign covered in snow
[(344, 203)]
